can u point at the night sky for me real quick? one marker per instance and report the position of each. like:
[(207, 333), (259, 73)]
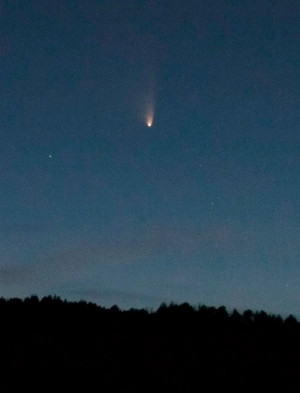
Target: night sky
[(203, 206)]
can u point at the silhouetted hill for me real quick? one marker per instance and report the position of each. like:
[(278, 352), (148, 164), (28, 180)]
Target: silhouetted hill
[(174, 348)]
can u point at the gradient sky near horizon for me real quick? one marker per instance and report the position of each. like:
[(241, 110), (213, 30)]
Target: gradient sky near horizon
[(203, 206)]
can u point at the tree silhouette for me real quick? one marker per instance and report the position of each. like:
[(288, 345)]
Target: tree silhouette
[(174, 348)]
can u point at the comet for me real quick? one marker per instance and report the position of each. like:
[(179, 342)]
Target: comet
[(150, 116), (147, 100)]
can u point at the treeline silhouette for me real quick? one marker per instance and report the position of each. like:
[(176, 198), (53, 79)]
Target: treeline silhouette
[(175, 348)]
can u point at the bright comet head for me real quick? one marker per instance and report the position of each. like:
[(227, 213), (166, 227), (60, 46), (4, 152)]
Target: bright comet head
[(149, 123)]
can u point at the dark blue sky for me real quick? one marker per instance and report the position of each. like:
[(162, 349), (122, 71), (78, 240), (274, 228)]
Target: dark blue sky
[(201, 207)]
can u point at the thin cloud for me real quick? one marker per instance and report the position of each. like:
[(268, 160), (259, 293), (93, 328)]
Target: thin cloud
[(116, 295), (72, 259)]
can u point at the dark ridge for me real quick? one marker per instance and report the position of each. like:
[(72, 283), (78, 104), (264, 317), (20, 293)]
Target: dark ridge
[(175, 348)]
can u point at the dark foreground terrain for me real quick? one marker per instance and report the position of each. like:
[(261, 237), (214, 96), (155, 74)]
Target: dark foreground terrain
[(69, 346)]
